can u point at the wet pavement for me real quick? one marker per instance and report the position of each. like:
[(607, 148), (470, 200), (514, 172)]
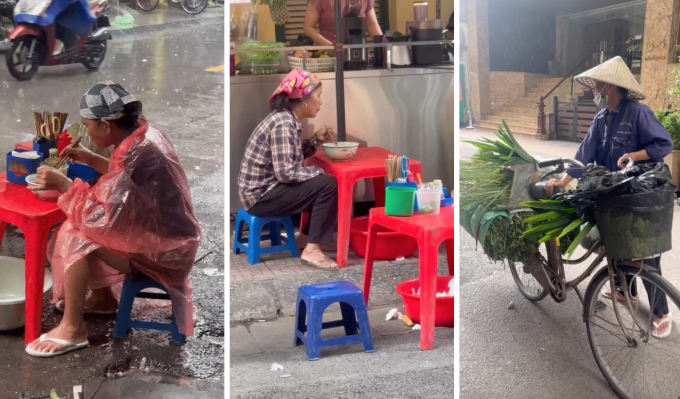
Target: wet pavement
[(166, 71)]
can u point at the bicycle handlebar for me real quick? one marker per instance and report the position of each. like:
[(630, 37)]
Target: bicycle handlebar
[(559, 161)]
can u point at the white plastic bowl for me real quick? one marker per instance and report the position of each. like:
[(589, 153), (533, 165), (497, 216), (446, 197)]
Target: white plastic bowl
[(12, 295), (341, 151)]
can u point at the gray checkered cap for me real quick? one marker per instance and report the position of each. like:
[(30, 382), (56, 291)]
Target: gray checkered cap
[(105, 101)]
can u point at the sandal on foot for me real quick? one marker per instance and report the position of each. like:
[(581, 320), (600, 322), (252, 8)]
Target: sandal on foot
[(68, 347), (666, 333), (322, 263), (59, 309), (619, 296)]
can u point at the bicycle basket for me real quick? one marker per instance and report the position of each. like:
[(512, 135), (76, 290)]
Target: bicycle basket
[(636, 225)]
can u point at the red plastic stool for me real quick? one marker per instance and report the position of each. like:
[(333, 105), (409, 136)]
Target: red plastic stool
[(430, 231)]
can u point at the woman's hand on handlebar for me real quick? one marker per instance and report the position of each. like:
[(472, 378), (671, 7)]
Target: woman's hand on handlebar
[(623, 161), (552, 183)]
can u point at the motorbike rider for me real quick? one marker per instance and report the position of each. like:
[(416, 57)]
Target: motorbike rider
[(624, 128), (72, 19)]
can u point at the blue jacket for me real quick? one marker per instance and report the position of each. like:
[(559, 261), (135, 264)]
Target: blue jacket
[(72, 14), (632, 127)]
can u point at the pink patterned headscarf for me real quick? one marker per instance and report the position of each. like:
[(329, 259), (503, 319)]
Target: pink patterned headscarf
[(297, 84)]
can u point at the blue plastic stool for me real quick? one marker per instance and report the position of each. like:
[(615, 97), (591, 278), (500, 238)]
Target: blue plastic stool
[(132, 288), (313, 300), (279, 243)]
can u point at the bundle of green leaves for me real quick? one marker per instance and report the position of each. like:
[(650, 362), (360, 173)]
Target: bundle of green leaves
[(556, 222)]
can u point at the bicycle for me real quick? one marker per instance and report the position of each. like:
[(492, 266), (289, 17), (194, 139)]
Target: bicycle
[(604, 317), (191, 7)]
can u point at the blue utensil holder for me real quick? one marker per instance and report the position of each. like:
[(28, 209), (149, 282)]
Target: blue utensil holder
[(407, 184), (44, 147), (78, 170), (15, 166)]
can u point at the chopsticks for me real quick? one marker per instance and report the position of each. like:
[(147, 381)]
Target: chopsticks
[(47, 125), (63, 157), (392, 166)]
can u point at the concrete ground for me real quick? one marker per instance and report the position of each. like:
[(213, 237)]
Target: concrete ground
[(534, 350), (397, 369), (167, 73)]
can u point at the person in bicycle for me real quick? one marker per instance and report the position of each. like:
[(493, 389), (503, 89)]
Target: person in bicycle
[(624, 128)]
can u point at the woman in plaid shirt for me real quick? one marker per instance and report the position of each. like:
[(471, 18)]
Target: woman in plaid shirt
[(274, 181)]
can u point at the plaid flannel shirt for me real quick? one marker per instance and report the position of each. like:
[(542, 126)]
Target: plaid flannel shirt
[(275, 154)]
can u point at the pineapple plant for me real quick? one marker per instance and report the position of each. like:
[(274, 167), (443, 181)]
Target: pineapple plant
[(277, 9)]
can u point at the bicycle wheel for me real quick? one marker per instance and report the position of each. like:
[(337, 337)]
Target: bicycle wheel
[(194, 7), (147, 5), (526, 283), (639, 366)]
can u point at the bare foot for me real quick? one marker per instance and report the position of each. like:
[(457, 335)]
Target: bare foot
[(73, 334), (301, 241), (619, 296), (313, 255)]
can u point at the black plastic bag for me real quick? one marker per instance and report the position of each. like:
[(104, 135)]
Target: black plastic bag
[(598, 182)]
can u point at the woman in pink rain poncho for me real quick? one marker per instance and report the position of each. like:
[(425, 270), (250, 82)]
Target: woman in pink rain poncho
[(137, 218)]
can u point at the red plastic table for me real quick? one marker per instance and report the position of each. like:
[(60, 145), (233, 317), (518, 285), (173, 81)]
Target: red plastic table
[(35, 218), (430, 231), (367, 163)]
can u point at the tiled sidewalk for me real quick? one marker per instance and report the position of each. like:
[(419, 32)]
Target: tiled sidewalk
[(279, 264)]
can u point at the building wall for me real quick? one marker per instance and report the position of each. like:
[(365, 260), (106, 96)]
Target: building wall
[(657, 56), (521, 36)]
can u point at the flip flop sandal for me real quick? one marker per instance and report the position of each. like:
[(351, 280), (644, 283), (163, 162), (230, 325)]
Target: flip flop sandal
[(620, 297), (68, 347), (319, 264), (59, 309), (666, 333)]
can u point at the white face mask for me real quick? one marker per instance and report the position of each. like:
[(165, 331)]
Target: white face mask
[(599, 101)]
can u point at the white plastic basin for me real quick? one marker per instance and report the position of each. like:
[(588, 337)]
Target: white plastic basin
[(12, 296)]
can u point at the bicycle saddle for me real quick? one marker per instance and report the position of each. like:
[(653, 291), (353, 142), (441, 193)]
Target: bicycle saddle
[(537, 191)]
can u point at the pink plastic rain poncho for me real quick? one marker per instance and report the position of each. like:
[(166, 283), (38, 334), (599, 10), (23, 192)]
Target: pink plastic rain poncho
[(140, 209)]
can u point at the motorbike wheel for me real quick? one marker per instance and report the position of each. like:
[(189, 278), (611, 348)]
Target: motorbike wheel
[(18, 62), (95, 56), (194, 7)]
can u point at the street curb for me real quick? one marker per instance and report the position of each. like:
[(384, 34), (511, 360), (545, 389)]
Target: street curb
[(189, 23), (272, 298)]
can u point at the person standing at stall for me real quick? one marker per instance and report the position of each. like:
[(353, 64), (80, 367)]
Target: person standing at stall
[(273, 180), (321, 13), (625, 128)]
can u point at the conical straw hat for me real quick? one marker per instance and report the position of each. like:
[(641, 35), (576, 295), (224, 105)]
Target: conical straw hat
[(615, 72)]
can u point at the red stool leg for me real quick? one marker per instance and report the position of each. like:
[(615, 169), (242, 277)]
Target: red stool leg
[(2, 230), (379, 191), (345, 196), (36, 254), (450, 254), (428, 257), (368, 260)]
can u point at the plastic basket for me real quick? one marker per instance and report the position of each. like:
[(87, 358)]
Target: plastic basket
[(399, 201), (313, 64), (635, 226)]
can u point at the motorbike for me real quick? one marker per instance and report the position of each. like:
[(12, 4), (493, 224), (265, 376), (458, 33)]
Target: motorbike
[(35, 40)]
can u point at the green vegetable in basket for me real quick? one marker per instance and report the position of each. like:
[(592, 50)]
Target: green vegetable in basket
[(261, 56)]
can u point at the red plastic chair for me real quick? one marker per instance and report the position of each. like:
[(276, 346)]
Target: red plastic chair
[(367, 163), (35, 218), (430, 231)]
